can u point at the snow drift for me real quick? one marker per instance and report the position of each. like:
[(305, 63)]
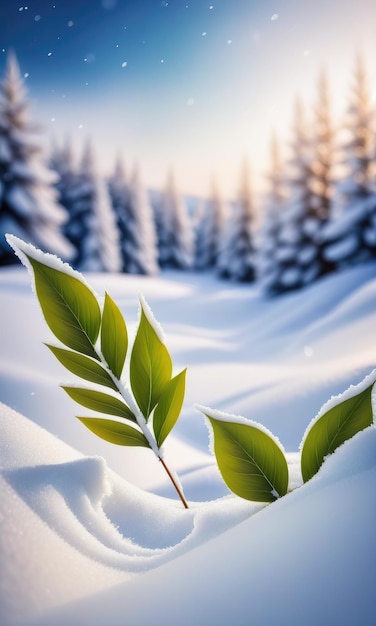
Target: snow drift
[(90, 533)]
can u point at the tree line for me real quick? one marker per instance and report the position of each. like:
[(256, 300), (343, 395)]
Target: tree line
[(317, 215)]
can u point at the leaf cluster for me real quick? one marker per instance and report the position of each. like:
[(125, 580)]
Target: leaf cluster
[(147, 405), (252, 462), (96, 348)]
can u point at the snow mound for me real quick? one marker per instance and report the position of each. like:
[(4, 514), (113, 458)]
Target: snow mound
[(61, 507), (311, 552)]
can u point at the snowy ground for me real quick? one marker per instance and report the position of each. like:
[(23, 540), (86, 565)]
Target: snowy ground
[(92, 534)]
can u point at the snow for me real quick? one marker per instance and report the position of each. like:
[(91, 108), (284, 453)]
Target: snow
[(342, 249), (92, 534)]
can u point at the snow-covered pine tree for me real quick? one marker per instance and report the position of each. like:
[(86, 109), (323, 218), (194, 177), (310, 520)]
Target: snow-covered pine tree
[(28, 199), (350, 236), (139, 242), (92, 226), (62, 162), (297, 256), (237, 256), (209, 225), (268, 233), (176, 239), (322, 174), (120, 200)]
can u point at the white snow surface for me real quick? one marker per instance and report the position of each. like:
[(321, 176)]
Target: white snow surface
[(93, 534)]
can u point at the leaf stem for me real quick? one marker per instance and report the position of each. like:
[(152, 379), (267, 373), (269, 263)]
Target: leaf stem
[(141, 421), (171, 477)]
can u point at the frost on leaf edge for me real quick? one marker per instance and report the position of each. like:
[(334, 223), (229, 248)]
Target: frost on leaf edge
[(350, 392), (145, 308), (235, 419), (22, 249)]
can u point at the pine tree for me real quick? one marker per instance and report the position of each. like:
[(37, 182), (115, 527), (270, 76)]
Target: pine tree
[(28, 199), (322, 174), (92, 226), (209, 224), (268, 234), (120, 200), (139, 245), (62, 162), (237, 257), (297, 253), (176, 242), (350, 237)]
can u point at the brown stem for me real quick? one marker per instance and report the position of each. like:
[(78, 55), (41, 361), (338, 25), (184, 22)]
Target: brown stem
[(180, 493)]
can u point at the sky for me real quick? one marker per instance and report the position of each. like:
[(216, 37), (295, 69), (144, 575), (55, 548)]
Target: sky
[(193, 85)]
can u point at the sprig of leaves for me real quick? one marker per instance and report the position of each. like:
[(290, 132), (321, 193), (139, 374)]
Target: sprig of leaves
[(251, 460), (98, 345)]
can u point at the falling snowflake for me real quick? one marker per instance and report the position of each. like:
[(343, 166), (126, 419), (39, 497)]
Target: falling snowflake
[(229, 41), (37, 18), (162, 60), (49, 54), (204, 33), (26, 75), (124, 64), (53, 119), (274, 17), (211, 7), (164, 3), (70, 23)]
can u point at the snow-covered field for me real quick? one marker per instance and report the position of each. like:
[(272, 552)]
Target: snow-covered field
[(92, 534)]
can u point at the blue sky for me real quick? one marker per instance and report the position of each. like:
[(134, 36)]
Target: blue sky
[(189, 84)]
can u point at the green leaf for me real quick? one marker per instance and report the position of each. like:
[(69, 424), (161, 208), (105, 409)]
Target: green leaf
[(83, 366), (98, 401), (115, 432), (150, 366), (333, 428), (252, 464), (114, 336), (69, 307), (168, 408)]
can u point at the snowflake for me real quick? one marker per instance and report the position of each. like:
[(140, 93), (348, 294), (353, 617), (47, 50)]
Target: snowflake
[(124, 64), (274, 17)]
